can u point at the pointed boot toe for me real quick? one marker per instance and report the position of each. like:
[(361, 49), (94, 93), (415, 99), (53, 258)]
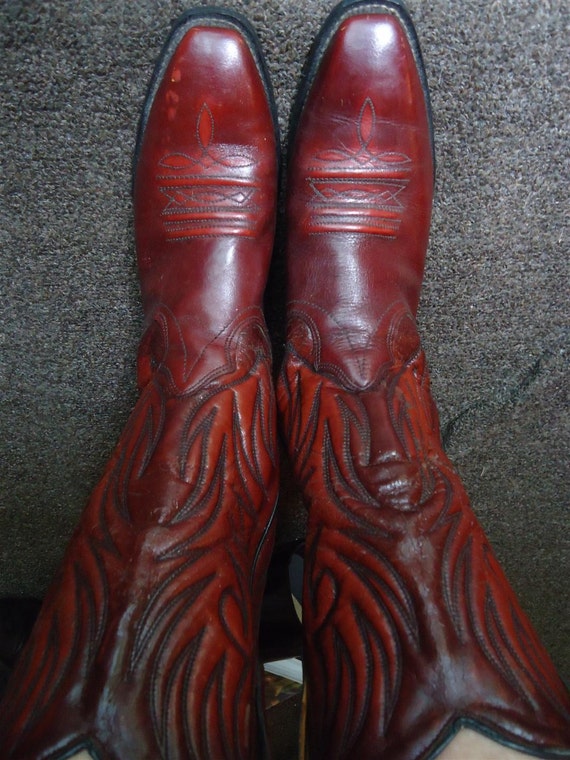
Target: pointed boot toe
[(206, 177), (361, 180)]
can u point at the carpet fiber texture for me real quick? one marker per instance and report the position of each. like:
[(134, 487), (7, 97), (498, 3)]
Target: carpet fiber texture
[(493, 315)]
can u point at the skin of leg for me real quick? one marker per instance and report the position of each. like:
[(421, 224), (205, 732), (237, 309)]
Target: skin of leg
[(470, 745)]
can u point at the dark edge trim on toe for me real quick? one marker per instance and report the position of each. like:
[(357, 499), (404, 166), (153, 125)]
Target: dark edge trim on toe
[(343, 11), (208, 16)]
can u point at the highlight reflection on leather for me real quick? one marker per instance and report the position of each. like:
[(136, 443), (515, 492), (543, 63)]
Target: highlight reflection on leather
[(146, 646), (411, 628)]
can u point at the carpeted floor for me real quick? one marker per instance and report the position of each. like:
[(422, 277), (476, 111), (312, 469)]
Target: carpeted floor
[(493, 314)]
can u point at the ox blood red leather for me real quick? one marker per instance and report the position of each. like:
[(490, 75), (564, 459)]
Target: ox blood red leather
[(411, 628), (146, 644)]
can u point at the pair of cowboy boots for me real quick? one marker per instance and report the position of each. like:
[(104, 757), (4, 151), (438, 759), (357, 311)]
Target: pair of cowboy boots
[(146, 645)]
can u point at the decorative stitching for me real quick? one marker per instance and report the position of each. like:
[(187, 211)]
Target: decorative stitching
[(200, 202), (358, 189)]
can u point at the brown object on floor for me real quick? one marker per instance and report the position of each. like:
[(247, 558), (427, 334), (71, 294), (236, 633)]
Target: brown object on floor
[(411, 628), (146, 645)]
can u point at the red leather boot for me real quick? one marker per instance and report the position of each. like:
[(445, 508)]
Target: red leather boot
[(411, 628), (146, 646)]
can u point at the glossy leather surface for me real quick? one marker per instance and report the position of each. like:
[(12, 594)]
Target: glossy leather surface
[(360, 191), (146, 646), (411, 628)]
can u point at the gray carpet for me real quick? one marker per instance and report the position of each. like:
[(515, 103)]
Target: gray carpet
[(493, 313)]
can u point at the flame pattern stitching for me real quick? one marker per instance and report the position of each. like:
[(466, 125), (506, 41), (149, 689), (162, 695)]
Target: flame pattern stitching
[(372, 509)]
